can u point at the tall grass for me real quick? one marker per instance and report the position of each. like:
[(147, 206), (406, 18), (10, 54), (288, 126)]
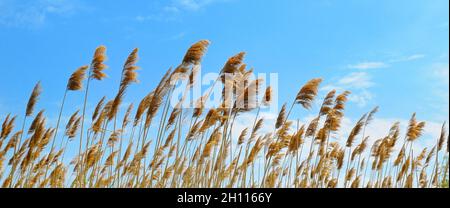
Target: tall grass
[(160, 146)]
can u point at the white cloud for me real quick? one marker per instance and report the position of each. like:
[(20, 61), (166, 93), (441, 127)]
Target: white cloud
[(141, 18), (408, 58), (362, 98), (175, 8), (439, 93), (356, 80), (440, 72), (384, 64), (172, 9), (178, 36), (33, 13), (193, 5), (368, 65), (358, 83)]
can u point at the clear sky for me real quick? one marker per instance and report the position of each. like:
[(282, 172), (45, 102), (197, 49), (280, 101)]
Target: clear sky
[(391, 53)]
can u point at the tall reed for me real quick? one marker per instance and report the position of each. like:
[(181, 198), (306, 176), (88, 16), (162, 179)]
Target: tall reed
[(169, 145)]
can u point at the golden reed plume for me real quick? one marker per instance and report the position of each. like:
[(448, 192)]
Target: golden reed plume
[(196, 52), (129, 74), (233, 64), (33, 99), (76, 79), (203, 147), (97, 64), (307, 94)]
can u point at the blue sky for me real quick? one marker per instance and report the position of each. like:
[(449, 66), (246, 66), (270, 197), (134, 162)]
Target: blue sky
[(388, 53)]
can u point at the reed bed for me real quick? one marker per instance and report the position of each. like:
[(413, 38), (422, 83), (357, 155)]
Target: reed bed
[(156, 145)]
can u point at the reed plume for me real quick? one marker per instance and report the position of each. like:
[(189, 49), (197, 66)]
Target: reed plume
[(7, 127), (327, 103), (233, 64), (129, 74), (195, 54), (415, 129), (267, 96), (355, 131), (98, 108), (34, 97), (75, 82), (306, 95), (281, 117), (95, 72), (97, 64), (443, 136), (195, 147)]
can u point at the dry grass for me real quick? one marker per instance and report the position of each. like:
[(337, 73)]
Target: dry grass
[(132, 149)]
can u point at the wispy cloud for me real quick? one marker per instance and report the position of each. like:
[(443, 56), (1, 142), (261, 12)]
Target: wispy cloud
[(34, 13), (408, 58), (385, 64), (174, 9), (155, 17), (171, 9), (439, 81), (440, 72), (357, 82), (368, 65), (193, 5), (178, 36)]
